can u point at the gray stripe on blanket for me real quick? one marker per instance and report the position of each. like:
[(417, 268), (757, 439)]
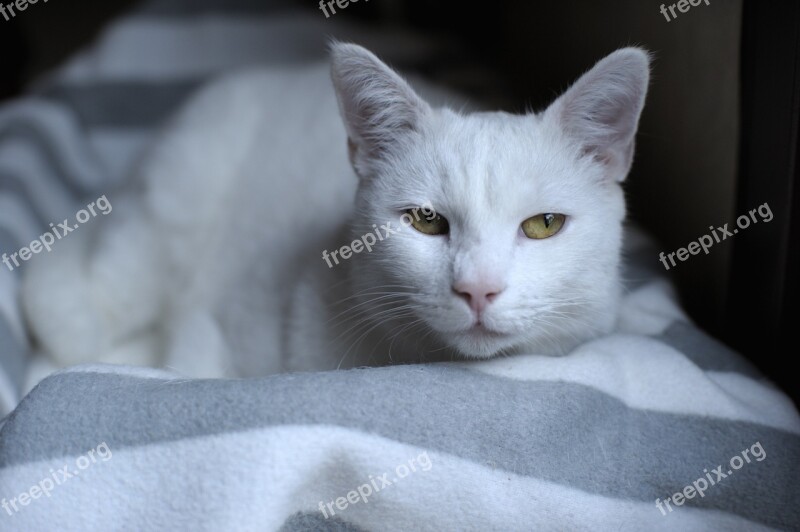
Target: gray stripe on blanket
[(706, 352), (11, 183), (12, 355), (125, 104), (19, 131), (303, 522), (9, 243), (613, 450)]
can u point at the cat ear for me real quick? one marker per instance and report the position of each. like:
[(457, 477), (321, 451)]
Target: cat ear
[(378, 107), (601, 110)]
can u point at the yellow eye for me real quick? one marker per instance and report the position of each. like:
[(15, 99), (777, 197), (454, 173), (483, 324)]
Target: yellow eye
[(543, 225), (432, 224)]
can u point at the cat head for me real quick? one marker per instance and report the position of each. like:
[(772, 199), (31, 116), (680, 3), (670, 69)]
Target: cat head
[(524, 246)]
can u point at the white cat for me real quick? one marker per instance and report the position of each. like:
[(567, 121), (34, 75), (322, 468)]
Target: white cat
[(214, 262)]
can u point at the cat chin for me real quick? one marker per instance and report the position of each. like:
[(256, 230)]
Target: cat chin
[(481, 346), (476, 345)]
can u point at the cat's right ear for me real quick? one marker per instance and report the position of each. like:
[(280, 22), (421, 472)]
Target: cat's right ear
[(600, 112), (380, 110)]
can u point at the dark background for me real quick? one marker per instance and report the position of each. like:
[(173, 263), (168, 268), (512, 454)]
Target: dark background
[(718, 136)]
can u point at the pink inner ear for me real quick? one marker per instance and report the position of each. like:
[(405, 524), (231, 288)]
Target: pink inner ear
[(377, 105), (602, 158)]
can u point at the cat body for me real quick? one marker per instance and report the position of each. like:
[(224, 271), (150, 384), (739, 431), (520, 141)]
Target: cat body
[(214, 262)]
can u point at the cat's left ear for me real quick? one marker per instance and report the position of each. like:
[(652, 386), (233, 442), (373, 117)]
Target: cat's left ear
[(601, 110), (380, 110)]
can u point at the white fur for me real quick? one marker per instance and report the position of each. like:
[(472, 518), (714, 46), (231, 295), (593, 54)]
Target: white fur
[(212, 262)]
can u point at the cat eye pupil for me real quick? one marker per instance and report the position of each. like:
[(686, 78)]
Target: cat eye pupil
[(429, 224), (543, 225)]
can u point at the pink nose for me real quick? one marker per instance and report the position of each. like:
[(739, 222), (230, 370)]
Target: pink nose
[(478, 295)]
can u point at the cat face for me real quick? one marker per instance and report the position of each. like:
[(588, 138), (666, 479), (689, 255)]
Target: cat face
[(525, 251)]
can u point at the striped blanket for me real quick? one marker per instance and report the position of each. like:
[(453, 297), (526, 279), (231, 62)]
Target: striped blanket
[(654, 427)]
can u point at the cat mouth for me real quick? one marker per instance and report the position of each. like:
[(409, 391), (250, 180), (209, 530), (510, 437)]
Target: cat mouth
[(480, 330), (480, 342)]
